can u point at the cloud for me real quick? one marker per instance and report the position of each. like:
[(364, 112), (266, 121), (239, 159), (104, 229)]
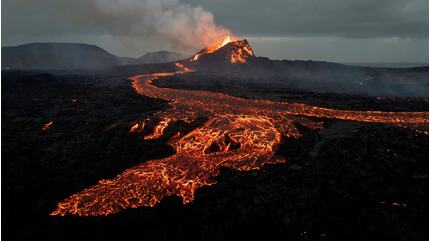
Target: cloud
[(337, 49), (184, 25), (131, 27), (336, 18)]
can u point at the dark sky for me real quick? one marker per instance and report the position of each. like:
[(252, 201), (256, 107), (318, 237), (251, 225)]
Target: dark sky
[(335, 30)]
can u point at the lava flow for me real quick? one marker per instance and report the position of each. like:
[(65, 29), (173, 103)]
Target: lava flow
[(47, 126), (240, 134)]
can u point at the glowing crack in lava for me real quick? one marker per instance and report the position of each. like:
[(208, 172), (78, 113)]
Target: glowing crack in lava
[(47, 126), (241, 134)]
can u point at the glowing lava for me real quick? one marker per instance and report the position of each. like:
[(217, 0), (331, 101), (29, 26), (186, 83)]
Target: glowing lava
[(212, 49), (47, 126), (134, 128), (239, 51), (241, 134)]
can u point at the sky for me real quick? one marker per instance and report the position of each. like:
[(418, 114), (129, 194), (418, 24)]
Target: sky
[(348, 31)]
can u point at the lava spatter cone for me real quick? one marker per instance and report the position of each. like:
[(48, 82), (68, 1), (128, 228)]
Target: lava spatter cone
[(233, 52)]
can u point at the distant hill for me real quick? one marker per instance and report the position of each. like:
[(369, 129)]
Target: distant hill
[(56, 56), (153, 58), (72, 56), (160, 57)]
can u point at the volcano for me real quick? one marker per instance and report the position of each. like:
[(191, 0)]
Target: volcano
[(229, 52)]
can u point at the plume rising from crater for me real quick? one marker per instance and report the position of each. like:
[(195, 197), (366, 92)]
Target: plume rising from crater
[(185, 26), (234, 51)]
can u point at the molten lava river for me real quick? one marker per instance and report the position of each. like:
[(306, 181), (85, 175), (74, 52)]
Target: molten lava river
[(241, 134)]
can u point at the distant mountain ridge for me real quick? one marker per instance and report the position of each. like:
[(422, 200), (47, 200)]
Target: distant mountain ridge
[(73, 56), (160, 57), (234, 62)]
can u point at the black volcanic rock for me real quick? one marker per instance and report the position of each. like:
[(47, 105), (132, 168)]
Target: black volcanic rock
[(349, 181)]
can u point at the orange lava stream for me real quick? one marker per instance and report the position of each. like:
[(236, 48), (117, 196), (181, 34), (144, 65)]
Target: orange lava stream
[(241, 134), (47, 126)]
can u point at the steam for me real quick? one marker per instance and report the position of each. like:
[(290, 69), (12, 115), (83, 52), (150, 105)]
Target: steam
[(185, 26)]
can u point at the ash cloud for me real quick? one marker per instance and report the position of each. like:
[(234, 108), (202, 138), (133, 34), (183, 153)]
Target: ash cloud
[(134, 23), (185, 26)]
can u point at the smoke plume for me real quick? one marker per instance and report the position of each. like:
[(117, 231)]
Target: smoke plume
[(185, 26)]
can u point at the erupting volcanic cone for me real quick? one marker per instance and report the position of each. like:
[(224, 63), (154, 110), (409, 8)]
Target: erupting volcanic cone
[(234, 52)]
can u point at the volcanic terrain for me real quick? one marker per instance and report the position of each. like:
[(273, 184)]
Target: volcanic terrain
[(240, 134), (146, 160)]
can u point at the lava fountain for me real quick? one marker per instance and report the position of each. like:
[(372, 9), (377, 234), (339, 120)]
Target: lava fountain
[(212, 49), (241, 134)]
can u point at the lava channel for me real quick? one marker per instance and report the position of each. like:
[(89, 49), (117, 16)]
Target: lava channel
[(240, 134)]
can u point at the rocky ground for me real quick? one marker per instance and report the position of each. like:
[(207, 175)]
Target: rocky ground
[(349, 181)]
